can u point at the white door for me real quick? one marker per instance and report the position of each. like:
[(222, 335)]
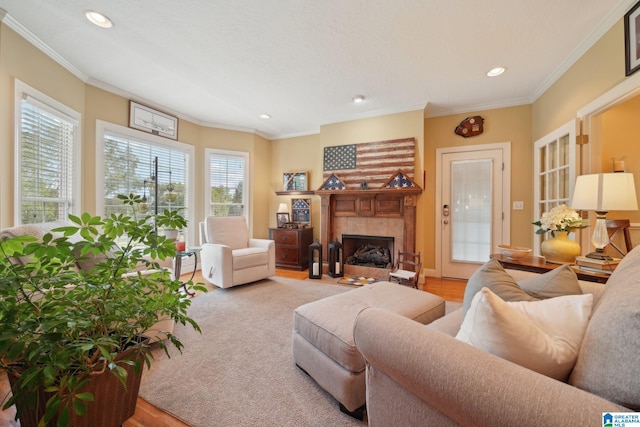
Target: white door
[(473, 206), (555, 161)]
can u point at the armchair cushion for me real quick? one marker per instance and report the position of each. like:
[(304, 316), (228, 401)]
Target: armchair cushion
[(234, 233), (249, 257)]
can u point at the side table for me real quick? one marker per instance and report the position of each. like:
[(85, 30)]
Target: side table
[(190, 252), (537, 264), (292, 247)]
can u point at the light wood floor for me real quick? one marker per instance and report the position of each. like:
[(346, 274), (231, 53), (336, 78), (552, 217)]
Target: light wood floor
[(148, 415)]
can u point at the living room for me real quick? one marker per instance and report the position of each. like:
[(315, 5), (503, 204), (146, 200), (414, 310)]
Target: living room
[(593, 88), (598, 71)]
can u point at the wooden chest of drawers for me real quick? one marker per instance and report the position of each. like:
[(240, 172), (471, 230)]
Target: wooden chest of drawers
[(292, 247)]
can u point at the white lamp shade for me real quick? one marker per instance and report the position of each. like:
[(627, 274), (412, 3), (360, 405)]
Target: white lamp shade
[(283, 208), (605, 192)]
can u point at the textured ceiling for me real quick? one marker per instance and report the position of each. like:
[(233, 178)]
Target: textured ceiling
[(223, 63)]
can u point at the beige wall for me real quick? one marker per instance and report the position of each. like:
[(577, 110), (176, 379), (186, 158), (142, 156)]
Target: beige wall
[(500, 125), (619, 133), (598, 70)]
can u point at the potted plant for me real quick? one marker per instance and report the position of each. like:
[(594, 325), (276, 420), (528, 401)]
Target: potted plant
[(64, 329), (171, 221)]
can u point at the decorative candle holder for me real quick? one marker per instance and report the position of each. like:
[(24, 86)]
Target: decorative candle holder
[(336, 261), (315, 260)]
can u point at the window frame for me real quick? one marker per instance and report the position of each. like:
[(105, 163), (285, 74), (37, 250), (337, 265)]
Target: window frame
[(103, 128), (209, 152), (62, 111), (553, 167)]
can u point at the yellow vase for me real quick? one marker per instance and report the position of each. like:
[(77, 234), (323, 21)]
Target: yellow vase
[(560, 249)]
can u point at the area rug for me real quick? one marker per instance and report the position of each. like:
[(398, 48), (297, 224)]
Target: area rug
[(239, 371), (357, 280)]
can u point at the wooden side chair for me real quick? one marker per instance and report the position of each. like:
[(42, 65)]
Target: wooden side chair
[(619, 229), (407, 269)]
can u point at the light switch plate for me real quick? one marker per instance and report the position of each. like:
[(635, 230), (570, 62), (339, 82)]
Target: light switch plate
[(518, 205)]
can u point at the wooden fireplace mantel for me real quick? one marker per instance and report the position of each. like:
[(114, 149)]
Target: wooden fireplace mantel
[(382, 202)]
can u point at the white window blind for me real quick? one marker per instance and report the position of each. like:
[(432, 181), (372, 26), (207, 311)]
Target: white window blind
[(129, 167), (46, 161), (227, 184)]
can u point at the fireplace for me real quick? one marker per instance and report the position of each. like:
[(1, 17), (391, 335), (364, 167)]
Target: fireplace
[(368, 251), (372, 212)]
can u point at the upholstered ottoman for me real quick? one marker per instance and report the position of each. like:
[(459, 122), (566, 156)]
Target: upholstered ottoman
[(323, 344)]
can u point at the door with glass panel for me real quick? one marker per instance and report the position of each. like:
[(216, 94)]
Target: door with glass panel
[(555, 159), (472, 206)]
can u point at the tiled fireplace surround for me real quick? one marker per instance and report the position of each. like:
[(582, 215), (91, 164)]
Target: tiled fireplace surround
[(380, 212)]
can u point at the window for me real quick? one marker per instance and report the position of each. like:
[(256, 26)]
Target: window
[(47, 154), (127, 164), (227, 183)]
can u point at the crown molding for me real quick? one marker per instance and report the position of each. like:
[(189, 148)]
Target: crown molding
[(38, 43)]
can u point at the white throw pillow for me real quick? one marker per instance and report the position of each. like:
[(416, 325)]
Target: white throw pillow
[(543, 336)]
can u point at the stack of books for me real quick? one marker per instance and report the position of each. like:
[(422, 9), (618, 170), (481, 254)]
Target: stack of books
[(597, 265)]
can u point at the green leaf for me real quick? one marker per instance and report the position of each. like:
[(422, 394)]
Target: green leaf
[(79, 407), (86, 396)]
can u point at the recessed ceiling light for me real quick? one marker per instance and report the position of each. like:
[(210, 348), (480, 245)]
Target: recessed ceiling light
[(358, 99), (98, 19), (264, 116), (496, 71)]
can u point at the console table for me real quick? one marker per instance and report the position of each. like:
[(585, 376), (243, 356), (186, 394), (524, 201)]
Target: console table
[(537, 264), (292, 247)]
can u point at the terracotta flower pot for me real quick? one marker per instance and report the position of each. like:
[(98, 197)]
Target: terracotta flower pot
[(113, 404)]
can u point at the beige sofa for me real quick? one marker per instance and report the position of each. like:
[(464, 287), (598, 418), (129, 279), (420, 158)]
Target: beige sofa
[(422, 375)]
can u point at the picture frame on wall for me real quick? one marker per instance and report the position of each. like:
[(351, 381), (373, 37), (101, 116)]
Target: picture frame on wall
[(632, 39), (152, 121), (282, 218)]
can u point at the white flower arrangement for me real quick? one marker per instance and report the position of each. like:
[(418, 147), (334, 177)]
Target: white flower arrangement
[(560, 218)]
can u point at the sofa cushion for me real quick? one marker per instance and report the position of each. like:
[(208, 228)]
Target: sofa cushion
[(554, 283), (491, 275), (609, 361), (543, 336), (249, 257)]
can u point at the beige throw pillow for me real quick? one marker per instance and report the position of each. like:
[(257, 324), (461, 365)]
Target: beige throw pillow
[(554, 283), (491, 275), (543, 336)]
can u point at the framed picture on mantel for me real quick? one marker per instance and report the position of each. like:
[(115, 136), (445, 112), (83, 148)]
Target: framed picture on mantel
[(295, 181)]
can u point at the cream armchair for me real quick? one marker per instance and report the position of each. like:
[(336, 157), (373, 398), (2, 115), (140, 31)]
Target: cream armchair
[(230, 257)]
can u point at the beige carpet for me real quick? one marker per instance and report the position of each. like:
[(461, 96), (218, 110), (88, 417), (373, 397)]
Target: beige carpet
[(240, 372)]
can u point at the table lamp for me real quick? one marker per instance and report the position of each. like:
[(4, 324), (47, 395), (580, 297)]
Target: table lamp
[(604, 192), (283, 208)]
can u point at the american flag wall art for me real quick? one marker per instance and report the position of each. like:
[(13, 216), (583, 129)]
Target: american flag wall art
[(370, 162)]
